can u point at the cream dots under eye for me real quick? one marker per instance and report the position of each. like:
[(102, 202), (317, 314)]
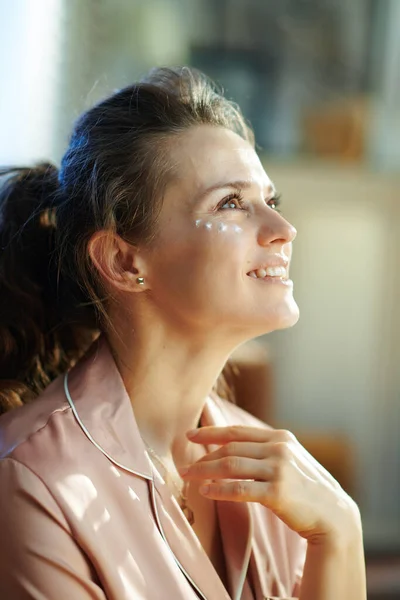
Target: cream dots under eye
[(219, 227)]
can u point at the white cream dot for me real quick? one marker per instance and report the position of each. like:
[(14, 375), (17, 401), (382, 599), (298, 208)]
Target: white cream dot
[(208, 225), (198, 222), (222, 227)]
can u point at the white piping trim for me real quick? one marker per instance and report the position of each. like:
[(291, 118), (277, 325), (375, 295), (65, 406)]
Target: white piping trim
[(150, 479), (88, 435), (166, 541), (247, 554)]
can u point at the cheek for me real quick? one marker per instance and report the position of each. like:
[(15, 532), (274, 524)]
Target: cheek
[(220, 229), (206, 258), (219, 265), (223, 244)]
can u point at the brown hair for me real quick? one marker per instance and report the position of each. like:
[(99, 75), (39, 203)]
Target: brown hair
[(112, 177)]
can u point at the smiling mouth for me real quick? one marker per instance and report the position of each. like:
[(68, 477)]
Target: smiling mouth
[(269, 273)]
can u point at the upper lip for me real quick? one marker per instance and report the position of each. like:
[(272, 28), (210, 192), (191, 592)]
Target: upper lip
[(275, 260)]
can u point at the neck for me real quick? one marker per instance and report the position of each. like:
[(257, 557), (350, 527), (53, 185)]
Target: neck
[(168, 378)]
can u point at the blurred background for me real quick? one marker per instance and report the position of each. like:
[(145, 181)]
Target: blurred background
[(320, 82)]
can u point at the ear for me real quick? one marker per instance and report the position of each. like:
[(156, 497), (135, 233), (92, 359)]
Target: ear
[(118, 262)]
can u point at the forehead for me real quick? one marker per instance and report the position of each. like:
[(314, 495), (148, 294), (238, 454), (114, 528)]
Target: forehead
[(206, 155)]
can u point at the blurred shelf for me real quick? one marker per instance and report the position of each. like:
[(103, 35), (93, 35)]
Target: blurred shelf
[(306, 162)]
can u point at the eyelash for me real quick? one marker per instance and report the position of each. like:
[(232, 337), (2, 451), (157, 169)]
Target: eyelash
[(276, 200), (235, 196)]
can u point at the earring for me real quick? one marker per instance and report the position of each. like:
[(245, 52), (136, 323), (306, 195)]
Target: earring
[(140, 280)]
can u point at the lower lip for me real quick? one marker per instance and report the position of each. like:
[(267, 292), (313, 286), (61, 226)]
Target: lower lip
[(274, 280)]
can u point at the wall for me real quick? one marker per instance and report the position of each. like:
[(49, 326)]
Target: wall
[(30, 37), (337, 369)]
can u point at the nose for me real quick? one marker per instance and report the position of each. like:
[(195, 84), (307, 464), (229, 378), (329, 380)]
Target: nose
[(275, 229)]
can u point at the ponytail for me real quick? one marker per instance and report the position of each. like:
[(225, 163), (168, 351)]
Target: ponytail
[(37, 342), (113, 174)]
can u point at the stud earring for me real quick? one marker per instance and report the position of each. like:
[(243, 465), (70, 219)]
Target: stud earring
[(140, 280)]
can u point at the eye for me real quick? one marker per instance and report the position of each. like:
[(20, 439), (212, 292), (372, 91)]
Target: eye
[(232, 202), (274, 203)]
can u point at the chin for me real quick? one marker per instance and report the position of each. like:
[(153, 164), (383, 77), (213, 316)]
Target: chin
[(287, 322), (283, 317)]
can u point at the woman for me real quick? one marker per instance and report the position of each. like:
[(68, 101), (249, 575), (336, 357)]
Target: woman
[(160, 245)]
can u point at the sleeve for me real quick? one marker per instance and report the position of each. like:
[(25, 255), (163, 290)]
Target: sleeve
[(296, 589), (39, 558), (301, 558), (295, 592)]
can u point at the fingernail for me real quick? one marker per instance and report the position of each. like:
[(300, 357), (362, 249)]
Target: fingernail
[(183, 470), (192, 433), (204, 489)]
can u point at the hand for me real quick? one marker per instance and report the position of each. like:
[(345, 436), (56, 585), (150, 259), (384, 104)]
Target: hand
[(272, 468)]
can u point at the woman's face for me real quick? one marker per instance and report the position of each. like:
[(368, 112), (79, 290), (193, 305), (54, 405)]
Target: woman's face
[(220, 260)]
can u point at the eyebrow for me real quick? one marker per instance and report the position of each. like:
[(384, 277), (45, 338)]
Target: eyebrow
[(235, 185)]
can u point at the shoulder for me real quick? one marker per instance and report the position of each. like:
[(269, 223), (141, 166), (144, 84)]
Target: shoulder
[(32, 451), (24, 424)]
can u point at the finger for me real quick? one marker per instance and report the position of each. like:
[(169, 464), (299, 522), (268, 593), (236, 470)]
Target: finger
[(230, 467), (258, 450), (232, 433), (308, 461), (237, 491)]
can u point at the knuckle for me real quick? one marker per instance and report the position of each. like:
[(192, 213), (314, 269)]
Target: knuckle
[(229, 449), (276, 468), (233, 431), (239, 489), (202, 467), (230, 464), (285, 435), (276, 493), (282, 450), (267, 471), (265, 449)]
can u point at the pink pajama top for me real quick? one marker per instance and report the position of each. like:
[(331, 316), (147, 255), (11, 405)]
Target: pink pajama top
[(84, 515)]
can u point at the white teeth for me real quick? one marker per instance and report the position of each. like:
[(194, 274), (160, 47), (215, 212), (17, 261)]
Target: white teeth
[(269, 271), (276, 271)]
